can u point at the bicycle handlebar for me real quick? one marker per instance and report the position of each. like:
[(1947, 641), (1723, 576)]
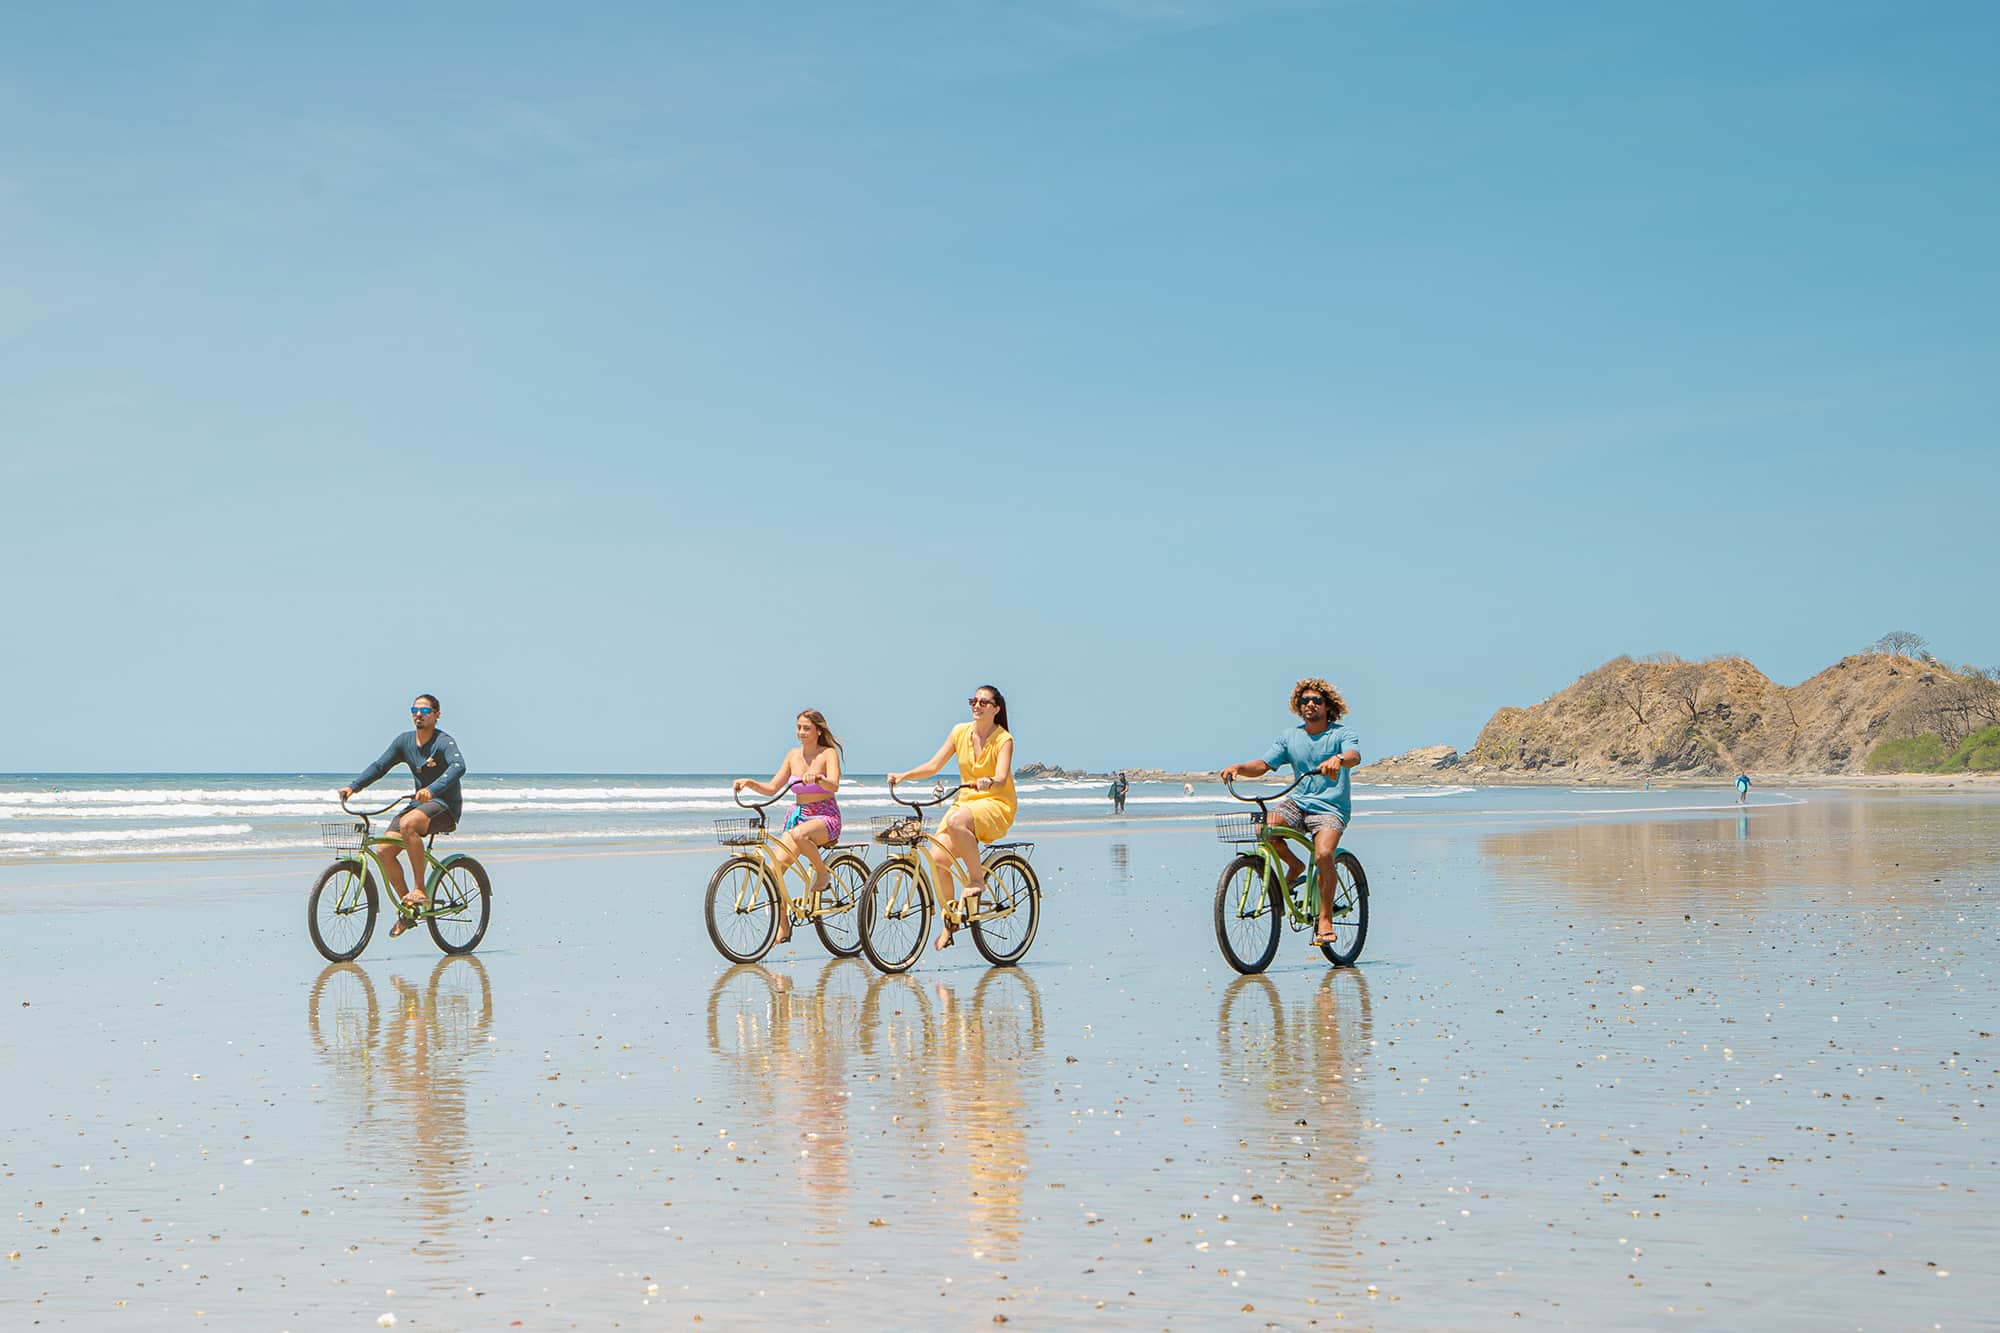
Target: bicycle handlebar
[(370, 814), (938, 796), (1260, 801), (736, 795)]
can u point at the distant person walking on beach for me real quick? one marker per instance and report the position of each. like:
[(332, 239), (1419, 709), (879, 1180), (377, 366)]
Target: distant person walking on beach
[(1322, 751), (436, 767), (812, 770), (985, 752), (1119, 786), (1742, 788)]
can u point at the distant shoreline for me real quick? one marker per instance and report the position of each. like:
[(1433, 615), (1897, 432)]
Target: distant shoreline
[(1389, 774)]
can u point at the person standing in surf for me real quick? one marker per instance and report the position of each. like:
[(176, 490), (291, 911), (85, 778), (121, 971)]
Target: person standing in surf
[(1742, 789), (812, 770), (985, 811)]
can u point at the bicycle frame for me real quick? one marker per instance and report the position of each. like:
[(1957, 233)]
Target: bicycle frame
[(438, 869), (952, 913), (1302, 900), (766, 855)]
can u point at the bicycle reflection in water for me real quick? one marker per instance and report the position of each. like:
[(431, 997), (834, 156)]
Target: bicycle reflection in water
[(951, 1076), (399, 1078), (1294, 1069), (787, 1052)]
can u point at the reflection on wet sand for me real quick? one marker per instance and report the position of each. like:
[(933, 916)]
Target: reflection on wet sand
[(956, 1070), (399, 1078), (787, 1052), (986, 1049), (1874, 848), (1121, 863), (1293, 1074)]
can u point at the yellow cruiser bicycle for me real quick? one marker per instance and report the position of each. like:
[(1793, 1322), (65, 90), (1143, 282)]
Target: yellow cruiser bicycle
[(744, 894), (897, 900)]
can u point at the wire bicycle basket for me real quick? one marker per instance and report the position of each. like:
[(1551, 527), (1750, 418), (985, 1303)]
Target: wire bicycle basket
[(738, 832), (897, 830), (342, 835), (1239, 828)]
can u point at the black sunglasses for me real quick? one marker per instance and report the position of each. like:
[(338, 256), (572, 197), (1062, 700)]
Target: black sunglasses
[(1319, 699), (975, 701)]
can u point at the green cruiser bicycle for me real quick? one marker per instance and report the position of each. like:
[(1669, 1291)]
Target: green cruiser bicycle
[(1252, 896), (744, 892), (901, 893), (458, 898)]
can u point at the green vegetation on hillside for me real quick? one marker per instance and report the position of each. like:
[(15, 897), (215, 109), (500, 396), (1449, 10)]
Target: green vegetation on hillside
[(1977, 753)]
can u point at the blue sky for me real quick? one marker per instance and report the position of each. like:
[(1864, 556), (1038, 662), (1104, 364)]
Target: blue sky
[(632, 377)]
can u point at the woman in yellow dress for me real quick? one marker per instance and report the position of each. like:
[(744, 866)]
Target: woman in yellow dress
[(985, 810)]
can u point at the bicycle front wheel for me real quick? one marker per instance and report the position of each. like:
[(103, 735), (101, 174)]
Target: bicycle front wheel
[(1246, 914), (838, 924), (742, 909), (1011, 887), (895, 915), (1350, 910), (341, 912), (461, 905)]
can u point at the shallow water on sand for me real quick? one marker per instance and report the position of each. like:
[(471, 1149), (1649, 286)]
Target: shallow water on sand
[(1617, 1073)]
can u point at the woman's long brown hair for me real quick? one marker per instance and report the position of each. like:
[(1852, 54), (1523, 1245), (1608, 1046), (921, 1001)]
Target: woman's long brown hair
[(826, 736)]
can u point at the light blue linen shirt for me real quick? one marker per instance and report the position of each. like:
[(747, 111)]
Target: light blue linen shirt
[(1305, 753)]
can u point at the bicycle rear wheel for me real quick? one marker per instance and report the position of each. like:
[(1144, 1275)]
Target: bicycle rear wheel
[(341, 912), (1246, 914), (742, 909), (1010, 884), (839, 927), (1350, 910), (462, 904), (895, 915)]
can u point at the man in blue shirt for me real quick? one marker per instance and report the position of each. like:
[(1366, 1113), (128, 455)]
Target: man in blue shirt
[(435, 763), (1323, 750)]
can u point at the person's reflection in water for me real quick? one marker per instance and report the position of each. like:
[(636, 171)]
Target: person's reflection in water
[(985, 1050), (1121, 863), (787, 1054), (1295, 1072), (400, 1077)]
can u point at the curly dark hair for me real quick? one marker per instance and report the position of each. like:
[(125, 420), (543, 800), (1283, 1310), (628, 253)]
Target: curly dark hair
[(1336, 707)]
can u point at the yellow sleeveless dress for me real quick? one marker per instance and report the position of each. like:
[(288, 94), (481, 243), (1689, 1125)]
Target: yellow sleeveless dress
[(992, 810)]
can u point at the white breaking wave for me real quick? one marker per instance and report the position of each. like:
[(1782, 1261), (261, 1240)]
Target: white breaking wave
[(95, 836)]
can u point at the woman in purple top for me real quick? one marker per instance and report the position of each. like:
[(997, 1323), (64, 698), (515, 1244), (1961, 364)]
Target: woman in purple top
[(812, 771)]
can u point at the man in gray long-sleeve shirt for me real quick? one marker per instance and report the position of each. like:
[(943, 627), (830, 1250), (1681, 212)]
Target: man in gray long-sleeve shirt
[(434, 761)]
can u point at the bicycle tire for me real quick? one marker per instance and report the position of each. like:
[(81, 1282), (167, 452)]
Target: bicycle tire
[(839, 927), (1010, 881), (736, 877), (461, 902), (893, 896), (1351, 928), (1254, 942), (341, 907)]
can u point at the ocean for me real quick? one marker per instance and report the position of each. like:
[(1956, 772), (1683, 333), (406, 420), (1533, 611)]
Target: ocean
[(94, 816)]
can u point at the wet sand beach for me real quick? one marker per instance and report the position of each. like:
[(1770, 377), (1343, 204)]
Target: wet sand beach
[(1701, 1068)]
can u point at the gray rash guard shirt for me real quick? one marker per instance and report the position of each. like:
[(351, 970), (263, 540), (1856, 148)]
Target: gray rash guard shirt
[(436, 766)]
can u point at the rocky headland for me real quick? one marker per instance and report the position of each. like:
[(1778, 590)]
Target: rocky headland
[(1663, 719)]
